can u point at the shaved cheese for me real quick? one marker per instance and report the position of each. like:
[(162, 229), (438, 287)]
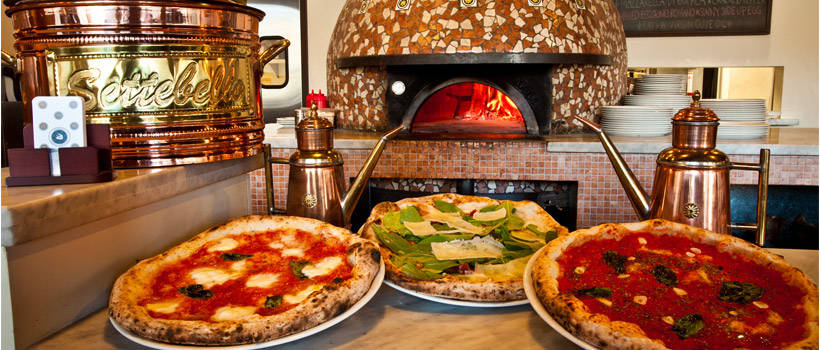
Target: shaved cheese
[(322, 267), (231, 313), (497, 214), (478, 247), (453, 220), (526, 235), (512, 269), (293, 252), (262, 280), (224, 244), (425, 228), (209, 276), (165, 307), (302, 295)]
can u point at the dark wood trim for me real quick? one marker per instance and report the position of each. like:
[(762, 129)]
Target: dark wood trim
[(474, 58), (303, 35)]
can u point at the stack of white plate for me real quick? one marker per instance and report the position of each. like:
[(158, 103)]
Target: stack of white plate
[(745, 110), (742, 130), (739, 118), (660, 84), (286, 122), (636, 120), (676, 102)]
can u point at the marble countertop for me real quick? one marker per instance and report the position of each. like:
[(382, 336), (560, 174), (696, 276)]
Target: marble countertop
[(32, 212), (394, 320), (781, 141)]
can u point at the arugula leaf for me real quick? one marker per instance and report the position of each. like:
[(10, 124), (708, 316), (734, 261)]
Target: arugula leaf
[(408, 266), (273, 301), (411, 214), (394, 242), (195, 291), (296, 267), (615, 260), (442, 227), (488, 208), (446, 207), (665, 275), (548, 236), (514, 222), (688, 325), (740, 292), (595, 292), (392, 222), (235, 256)]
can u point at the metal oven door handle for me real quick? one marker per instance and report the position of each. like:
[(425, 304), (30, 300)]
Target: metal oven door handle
[(762, 194)]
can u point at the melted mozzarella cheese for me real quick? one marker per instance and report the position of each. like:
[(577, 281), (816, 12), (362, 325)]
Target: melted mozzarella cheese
[(224, 244), (276, 245), (262, 280), (497, 214), (478, 247), (165, 307), (209, 276), (302, 295), (238, 266), (231, 313), (322, 267), (453, 220), (293, 252)]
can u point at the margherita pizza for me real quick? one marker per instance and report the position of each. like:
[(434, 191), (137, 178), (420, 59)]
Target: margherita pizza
[(250, 280), (460, 247), (658, 284)]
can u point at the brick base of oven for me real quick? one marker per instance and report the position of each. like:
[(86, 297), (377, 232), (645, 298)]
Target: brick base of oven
[(600, 196)]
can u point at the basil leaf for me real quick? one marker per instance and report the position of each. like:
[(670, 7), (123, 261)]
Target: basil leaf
[(688, 325), (394, 242), (235, 256), (273, 301), (740, 292), (665, 275), (392, 222), (411, 214), (296, 267), (446, 207), (547, 236), (595, 292), (195, 291), (615, 260)]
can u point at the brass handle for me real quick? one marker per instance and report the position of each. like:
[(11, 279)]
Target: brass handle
[(268, 54), (762, 196), (269, 178), (9, 60)]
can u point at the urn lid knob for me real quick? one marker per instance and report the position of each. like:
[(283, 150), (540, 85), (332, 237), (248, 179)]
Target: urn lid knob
[(695, 113)]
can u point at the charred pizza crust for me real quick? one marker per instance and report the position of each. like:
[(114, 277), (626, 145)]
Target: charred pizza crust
[(452, 286), (599, 330), (322, 305)]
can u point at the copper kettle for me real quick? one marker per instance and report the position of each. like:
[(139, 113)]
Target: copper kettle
[(316, 184), (692, 177)]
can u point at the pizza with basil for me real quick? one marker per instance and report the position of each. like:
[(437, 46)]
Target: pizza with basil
[(658, 284), (461, 247), (250, 280)]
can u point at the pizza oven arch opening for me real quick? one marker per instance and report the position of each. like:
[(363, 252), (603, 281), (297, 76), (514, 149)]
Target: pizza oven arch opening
[(470, 106), (411, 88)]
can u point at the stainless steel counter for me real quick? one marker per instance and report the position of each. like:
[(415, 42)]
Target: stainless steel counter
[(394, 320)]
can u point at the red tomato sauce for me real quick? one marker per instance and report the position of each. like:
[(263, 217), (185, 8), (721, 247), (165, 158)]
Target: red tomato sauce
[(727, 324), (233, 292)]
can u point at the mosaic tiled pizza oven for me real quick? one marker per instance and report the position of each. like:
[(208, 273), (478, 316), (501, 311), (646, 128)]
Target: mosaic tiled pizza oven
[(552, 59)]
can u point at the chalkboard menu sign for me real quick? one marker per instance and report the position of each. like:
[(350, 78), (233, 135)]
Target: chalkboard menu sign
[(695, 17)]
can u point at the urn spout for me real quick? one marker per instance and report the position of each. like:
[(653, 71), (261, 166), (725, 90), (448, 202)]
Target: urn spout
[(636, 193), (357, 187)]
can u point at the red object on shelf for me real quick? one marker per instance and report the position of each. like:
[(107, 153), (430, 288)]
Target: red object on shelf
[(319, 99), (31, 166)]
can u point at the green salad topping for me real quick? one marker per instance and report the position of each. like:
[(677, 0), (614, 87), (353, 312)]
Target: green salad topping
[(494, 237)]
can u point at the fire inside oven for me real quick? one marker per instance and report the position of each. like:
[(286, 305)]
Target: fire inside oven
[(469, 107)]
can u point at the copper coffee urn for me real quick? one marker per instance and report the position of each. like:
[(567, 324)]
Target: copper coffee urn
[(692, 177), (316, 184)]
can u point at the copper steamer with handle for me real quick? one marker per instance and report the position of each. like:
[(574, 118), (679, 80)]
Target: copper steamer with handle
[(692, 177), (178, 81)]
